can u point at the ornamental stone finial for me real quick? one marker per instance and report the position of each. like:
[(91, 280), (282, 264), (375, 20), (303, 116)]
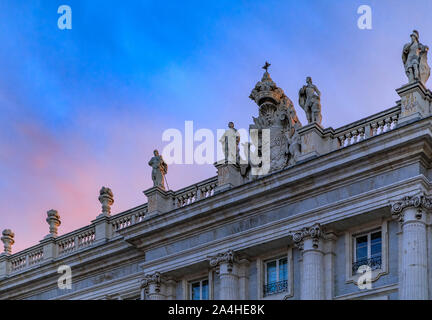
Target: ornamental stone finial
[(53, 219), (414, 58), (314, 232), (106, 198), (8, 240)]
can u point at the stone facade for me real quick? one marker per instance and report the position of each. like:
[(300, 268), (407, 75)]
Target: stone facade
[(342, 214)]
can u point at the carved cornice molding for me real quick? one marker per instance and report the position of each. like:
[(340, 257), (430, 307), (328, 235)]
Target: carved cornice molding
[(314, 232), (420, 201), (228, 257)]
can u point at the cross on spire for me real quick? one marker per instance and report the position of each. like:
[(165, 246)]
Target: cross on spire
[(266, 66)]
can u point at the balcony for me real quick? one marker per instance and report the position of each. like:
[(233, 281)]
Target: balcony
[(373, 263), (275, 287)]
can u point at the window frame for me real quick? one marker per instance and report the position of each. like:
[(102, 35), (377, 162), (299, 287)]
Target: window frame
[(350, 249), (200, 281), (261, 274), (369, 243), (266, 262)]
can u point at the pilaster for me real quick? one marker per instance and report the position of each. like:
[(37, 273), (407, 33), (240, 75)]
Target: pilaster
[(310, 242), (411, 212), (226, 265)]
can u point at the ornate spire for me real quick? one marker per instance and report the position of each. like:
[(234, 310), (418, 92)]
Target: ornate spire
[(266, 90)]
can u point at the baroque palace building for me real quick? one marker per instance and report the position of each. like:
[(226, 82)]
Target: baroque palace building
[(341, 214)]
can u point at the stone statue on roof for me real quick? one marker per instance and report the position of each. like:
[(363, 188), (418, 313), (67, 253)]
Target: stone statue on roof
[(414, 57), (310, 101), (160, 169)]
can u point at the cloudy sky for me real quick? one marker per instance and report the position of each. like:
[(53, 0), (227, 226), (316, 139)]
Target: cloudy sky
[(84, 108)]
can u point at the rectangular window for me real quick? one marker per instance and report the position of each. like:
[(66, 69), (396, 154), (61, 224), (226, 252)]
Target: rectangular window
[(199, 290), (276, 276), (367, 250)]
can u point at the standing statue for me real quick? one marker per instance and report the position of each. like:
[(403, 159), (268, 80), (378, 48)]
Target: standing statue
[(310, 101), (230, 144), (160, 169), (414, 57)]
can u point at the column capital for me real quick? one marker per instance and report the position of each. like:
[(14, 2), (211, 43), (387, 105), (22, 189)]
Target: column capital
[(228, 257), (152, 279), (314, 232), (419, 202)]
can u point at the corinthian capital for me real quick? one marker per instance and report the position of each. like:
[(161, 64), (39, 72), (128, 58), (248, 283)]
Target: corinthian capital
[(227, 257), (420, 201), (314, 232), (152, 279)]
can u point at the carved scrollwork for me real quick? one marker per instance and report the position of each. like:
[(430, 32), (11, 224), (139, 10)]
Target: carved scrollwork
[(227, 257), (154, 279), (418, 201), (314, 232)]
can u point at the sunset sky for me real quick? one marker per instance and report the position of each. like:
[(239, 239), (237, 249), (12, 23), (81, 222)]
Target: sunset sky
[(85, 108)]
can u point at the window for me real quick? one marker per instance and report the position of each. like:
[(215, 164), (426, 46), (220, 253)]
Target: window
[(276, 276), (199, 290), (367, 250)]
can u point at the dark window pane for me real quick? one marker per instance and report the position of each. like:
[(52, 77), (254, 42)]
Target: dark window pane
[(196, 291), (376, 242), (283, 269), (271, 272), (205, 290), (361, 248)]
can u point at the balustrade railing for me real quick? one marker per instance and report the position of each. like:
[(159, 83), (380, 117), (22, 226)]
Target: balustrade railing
[(195, 192), (275, 287), (372, 263), (26, 258), (368, 127)]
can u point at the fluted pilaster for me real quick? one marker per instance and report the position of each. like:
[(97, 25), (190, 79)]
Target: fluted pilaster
[(411, 212), (309, 241), (226, 265)]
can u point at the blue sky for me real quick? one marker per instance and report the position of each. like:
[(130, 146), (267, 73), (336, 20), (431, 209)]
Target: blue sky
[(85, 107)]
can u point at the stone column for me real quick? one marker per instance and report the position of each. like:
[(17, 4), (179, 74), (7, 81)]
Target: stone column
[(309, 241), (244, 279), (226, 264), (152, 286), (411, 213)]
